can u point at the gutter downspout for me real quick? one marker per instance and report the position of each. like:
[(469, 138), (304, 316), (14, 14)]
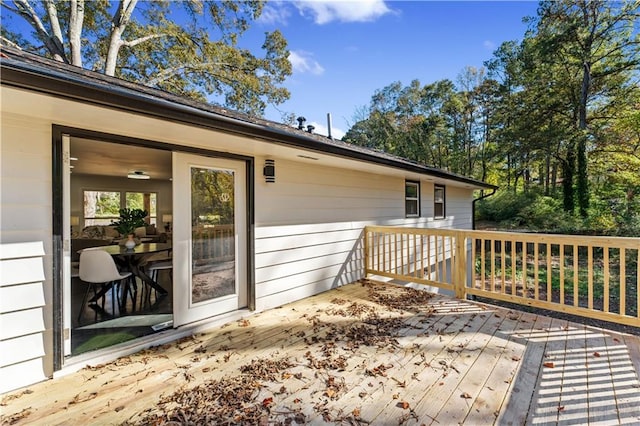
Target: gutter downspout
[(473, 206)]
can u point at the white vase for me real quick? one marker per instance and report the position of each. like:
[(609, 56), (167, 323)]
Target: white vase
[(130, 243)]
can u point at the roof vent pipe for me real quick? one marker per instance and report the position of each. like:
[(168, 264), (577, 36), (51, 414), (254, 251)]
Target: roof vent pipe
[(329, 125), (310, 128), (301, 121)]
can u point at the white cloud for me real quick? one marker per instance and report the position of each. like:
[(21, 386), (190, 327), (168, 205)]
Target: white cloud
[(302, 62), (325, 11), (275, 13), (323, 130), (489, 45)]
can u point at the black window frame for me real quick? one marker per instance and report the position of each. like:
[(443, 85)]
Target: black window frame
[(412, 199), (437, 187)]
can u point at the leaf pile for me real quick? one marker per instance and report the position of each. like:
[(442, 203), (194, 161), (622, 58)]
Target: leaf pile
[(410, 299), (227, 401), (266, 369)]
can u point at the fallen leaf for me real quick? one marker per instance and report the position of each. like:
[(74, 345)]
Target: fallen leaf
[(616, 340), (395, 396), (267, 402), (330, 393), (549, 364), (596, 354), (119, 408), (560, 407), (356, 412), (403, 404), (465, 395)]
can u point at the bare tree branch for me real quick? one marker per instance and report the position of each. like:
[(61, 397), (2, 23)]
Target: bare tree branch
[(27, 11)]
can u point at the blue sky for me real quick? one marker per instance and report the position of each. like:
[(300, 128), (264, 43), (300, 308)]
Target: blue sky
[(342, 51)]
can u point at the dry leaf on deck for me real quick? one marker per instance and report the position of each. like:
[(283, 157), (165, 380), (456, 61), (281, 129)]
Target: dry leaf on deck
[(465, 395), (596, 354), (403, 404), (549, 364), (356, 412)]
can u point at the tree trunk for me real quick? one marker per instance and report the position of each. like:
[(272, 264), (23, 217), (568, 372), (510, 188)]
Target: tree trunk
[(568, 171), (120, 21), (583, 181), (76, 20)]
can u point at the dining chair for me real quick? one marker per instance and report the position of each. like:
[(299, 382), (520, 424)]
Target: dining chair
[(98, 267), (157, 263)]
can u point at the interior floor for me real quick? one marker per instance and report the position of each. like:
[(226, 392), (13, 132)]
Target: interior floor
[(143, 312)]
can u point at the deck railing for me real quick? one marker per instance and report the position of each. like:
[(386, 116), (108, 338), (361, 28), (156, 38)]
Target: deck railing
[(595, 277), (213, 243)]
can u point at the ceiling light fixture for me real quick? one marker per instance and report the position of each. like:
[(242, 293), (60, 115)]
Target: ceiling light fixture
[(138, 174)]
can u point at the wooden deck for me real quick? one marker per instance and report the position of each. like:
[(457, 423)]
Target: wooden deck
[(350, 356)]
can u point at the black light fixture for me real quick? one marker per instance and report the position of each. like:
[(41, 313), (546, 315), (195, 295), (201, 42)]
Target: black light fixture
[(269, 171)]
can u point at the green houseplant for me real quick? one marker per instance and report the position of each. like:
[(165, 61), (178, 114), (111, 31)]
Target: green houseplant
[(130, 219)]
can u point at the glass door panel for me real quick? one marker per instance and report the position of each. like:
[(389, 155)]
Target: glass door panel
[(212, 234)]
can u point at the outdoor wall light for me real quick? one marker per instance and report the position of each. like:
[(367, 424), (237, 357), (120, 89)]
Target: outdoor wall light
[(269, 171)]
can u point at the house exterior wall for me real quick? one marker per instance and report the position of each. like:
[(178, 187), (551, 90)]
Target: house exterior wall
[(308, 224)]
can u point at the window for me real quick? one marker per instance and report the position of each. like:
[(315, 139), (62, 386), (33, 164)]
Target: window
[(102, 207), (438, 202), (412, 199)]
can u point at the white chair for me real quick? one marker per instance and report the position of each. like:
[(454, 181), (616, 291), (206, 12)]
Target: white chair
[(97, 267)]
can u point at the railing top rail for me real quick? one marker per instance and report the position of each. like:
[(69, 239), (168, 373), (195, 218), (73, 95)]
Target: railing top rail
[(580, 240)]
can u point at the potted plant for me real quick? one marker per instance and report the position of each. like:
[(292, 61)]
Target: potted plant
[(130, 219)]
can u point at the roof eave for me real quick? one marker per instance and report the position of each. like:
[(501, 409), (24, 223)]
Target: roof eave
[(73, 87)]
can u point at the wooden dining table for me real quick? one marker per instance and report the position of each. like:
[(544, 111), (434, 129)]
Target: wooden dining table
[(133, 260)]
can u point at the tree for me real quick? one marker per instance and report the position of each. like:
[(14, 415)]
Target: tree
[(189, 48), (595, 47)]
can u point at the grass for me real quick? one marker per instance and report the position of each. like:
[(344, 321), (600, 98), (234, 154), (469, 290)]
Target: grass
[(598, 287)]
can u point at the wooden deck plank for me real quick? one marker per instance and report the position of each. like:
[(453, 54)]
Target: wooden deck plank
[(451, 402), (574, 406), (445, 367), (549, 384), (377, 391), (510, 357), (518, 402), (478, 350), (623, 359)]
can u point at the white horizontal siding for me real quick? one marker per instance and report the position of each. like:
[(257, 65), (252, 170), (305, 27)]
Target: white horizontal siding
[(21, 374), (15, 351), (22, 318), (21, 297), (323, 211)]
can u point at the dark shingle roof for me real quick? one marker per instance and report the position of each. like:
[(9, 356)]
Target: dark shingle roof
[(29, 71)]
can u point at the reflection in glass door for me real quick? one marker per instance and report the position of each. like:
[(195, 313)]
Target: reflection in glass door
[(212, 234)]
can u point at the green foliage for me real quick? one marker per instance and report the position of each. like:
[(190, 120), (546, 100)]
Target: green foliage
[(555, 122), (130, 219), (189, 48)]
